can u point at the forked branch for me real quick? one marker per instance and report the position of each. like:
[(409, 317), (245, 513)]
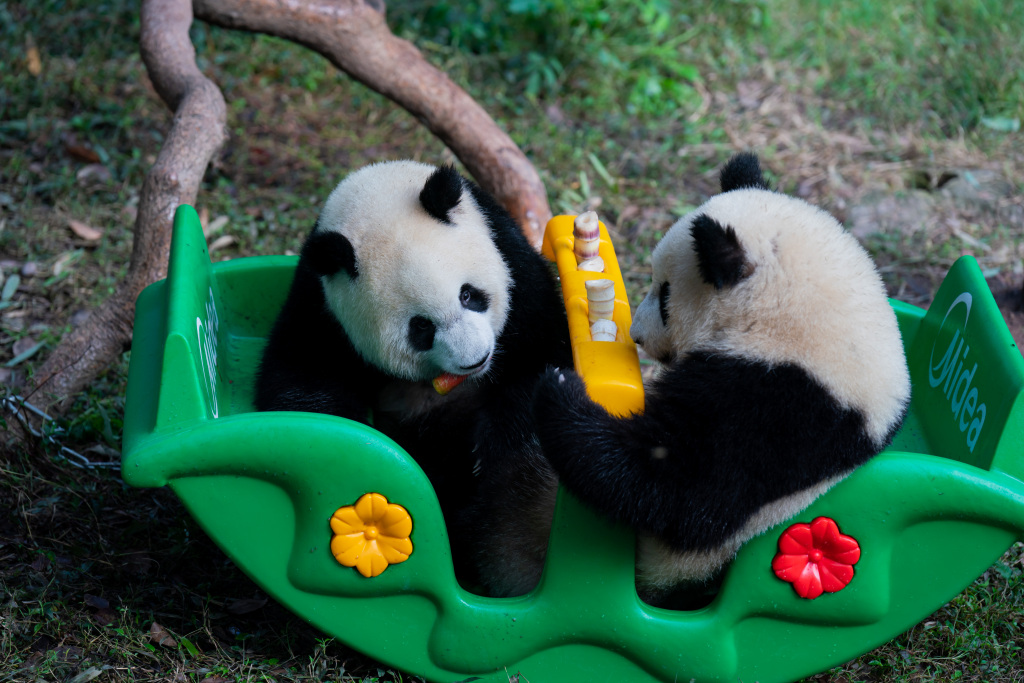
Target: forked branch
[(197, 132), (354, 36)]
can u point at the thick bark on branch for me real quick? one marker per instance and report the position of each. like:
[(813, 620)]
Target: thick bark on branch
[(196, 134), (354, 36)]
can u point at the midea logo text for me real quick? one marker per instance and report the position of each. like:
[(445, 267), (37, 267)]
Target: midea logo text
[(951, 376)]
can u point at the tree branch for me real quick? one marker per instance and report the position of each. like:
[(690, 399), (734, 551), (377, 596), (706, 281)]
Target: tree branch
[(197, 132), (354, 36)]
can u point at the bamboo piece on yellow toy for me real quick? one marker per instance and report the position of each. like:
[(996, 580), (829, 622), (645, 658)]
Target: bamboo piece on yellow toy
[(600, 299), (600, 307), (586, 235), (603, 330)]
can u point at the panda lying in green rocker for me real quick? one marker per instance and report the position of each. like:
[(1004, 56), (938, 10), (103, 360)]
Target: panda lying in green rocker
[(783, 371)]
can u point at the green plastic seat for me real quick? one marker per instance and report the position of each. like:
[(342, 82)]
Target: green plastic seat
[(930, 514)]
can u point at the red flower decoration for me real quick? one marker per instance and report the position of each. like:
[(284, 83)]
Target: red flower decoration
[(816, 558)]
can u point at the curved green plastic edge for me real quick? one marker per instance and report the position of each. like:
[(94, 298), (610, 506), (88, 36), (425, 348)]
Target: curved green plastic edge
[(931, 514)]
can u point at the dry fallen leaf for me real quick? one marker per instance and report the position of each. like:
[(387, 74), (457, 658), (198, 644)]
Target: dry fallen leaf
[(81, 152), (160, 636), (32, 59), (86, 232), (106, 617), (246, 605), (221, 242), (96, 601), (94, 173), (65, 261), (216, 225), (87, 675)]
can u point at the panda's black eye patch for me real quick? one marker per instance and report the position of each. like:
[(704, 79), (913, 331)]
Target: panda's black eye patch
[(473, 299), (421, 333), (663, 303)]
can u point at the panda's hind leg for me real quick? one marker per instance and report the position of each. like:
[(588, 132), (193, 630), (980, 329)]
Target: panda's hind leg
[(511, 521)]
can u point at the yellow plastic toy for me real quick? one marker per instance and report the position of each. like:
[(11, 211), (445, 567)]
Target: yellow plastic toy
[(611, 370)]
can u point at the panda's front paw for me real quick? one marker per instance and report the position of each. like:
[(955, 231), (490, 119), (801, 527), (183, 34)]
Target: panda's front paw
[(561, 407), (558, 391)]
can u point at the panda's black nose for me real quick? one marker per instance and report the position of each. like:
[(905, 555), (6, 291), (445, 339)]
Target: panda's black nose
[(638, 340)]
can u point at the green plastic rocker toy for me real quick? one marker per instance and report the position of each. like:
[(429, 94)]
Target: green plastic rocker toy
[(913, 527)]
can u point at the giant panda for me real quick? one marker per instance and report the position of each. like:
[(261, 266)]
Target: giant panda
[(412, 274), (782, 370)]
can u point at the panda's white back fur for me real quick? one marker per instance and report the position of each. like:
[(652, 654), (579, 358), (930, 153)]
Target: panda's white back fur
[(411, 264), (813, 299)]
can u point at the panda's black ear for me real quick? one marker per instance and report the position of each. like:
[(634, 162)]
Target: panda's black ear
[(720, 257), (743, 170), (442, 192), (329, 252)]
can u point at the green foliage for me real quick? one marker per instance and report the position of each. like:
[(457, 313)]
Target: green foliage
[(630, 57), (942, 63)]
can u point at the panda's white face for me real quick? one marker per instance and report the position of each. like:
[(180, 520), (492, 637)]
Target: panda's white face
[(804, 292), (428, 296), (662, 334)]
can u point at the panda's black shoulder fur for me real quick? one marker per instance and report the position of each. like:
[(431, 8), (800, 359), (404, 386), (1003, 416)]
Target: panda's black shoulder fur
[(536, 331), (309, 363), (720, 437)]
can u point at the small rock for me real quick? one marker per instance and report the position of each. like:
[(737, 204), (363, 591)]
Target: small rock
[(555, 114), (906, 214), (977, 187), (29, 269), (94, 174), (23, 345), (79, 317)]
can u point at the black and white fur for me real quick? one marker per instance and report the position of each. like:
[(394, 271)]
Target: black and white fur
[(412, 271), (783, 371)]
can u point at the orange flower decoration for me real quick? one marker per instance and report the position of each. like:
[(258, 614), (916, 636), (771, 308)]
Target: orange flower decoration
[(371, 535), (816, 558)]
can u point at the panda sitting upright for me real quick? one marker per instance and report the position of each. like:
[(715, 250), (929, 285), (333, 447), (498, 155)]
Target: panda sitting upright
[(412, 274), (783, 372)]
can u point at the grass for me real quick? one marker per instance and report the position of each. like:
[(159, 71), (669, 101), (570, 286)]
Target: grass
[(865, 108), (950, 64)]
